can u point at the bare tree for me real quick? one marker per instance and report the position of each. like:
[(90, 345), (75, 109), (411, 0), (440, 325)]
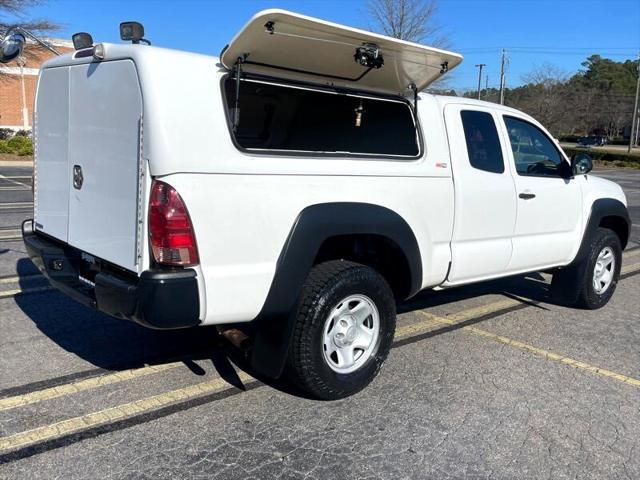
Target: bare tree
[(547, 75), (18, 9), (412, 20), (15, 12)]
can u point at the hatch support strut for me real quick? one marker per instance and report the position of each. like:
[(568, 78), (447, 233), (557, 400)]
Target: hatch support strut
[(236, 107), (414, 89)]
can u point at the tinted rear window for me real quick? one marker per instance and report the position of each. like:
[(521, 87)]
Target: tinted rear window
[(280, 118), (483, 144)]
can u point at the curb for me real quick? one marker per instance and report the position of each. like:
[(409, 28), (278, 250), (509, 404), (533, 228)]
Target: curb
[(16, 163)]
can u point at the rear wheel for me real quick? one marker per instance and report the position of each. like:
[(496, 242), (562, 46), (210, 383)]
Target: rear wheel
[(345, 322)]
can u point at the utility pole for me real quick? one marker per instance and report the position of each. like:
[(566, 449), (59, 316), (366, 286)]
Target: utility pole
[(504, 55), (635, 109), (25, 110), (481, 65)]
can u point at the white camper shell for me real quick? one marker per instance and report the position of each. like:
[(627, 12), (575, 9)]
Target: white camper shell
[(294, 187)]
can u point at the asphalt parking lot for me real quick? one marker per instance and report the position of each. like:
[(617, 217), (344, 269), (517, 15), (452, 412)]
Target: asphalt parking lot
[(487, 381)]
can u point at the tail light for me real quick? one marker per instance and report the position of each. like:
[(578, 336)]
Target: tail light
[(171, 234)]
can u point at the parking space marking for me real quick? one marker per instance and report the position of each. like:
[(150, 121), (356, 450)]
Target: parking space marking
[(82, 385), (629, 268), (15, 205), (138, 407), (116, 377), (23, 278), (20, 291), (113, 414), (421, 326), (13, 179), (540, 352), (10, 234)]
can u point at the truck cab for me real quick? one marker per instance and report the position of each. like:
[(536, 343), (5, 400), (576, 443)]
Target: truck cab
[(293, 199)]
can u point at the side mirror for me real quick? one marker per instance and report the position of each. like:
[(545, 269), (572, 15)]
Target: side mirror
[(11, 47), (581, 164)]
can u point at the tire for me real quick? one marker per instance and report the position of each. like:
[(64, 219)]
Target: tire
[(334, 301), (584, 274)]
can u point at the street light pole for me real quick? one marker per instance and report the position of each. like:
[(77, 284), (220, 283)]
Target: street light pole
[(481, 65), (25, 110)]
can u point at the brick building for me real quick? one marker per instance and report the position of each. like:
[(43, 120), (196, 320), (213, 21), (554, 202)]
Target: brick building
[(16, 108)]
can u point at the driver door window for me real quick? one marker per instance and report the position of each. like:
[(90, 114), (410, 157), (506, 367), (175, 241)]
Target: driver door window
[(549, 201), (534, 154)]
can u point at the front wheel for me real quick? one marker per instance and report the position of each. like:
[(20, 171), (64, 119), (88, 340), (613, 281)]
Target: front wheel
[(598, 273), (344, 327)]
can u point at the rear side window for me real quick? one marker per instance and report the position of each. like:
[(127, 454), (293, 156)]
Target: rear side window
[(483, 144), (290, 120)]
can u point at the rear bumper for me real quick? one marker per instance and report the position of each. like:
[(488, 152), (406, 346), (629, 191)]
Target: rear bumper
[(161, 299)]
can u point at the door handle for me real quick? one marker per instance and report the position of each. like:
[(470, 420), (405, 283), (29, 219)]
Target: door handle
[(527, 196)]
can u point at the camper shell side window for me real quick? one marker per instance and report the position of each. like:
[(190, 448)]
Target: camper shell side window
[(273, 117)]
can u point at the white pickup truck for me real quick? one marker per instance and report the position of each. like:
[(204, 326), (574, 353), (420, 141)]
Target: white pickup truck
[(295, 188)]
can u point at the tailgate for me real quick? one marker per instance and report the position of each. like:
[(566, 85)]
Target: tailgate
[(88, 126)]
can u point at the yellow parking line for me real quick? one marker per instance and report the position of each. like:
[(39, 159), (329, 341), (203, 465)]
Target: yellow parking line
[(154, 402), (81, 385), (8, 206), (630, 268), (632, 253), (113, 414), (10, 235), (18, 291), (23, 278), (468, 314), (556, 357), (116, 377)]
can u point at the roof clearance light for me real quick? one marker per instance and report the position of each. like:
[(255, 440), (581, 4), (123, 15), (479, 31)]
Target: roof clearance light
[(99, 52)]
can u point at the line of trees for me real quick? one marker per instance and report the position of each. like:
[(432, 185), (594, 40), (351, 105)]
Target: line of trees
[(597, 100)]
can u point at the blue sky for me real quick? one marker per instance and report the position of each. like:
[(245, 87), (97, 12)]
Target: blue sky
[(560, 32)]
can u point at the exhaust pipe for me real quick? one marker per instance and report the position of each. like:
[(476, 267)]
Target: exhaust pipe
[(236, 337)]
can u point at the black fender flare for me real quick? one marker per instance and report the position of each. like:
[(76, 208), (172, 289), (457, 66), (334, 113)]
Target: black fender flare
[(563, 281), (273, 327), (601, 208)]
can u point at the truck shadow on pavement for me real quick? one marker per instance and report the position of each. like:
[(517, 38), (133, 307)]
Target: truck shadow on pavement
[(113, 344)]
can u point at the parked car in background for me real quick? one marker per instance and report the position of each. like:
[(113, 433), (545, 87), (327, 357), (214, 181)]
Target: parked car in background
[(592, 141)]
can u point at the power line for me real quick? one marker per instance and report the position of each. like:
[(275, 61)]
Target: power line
[(539, 47)]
